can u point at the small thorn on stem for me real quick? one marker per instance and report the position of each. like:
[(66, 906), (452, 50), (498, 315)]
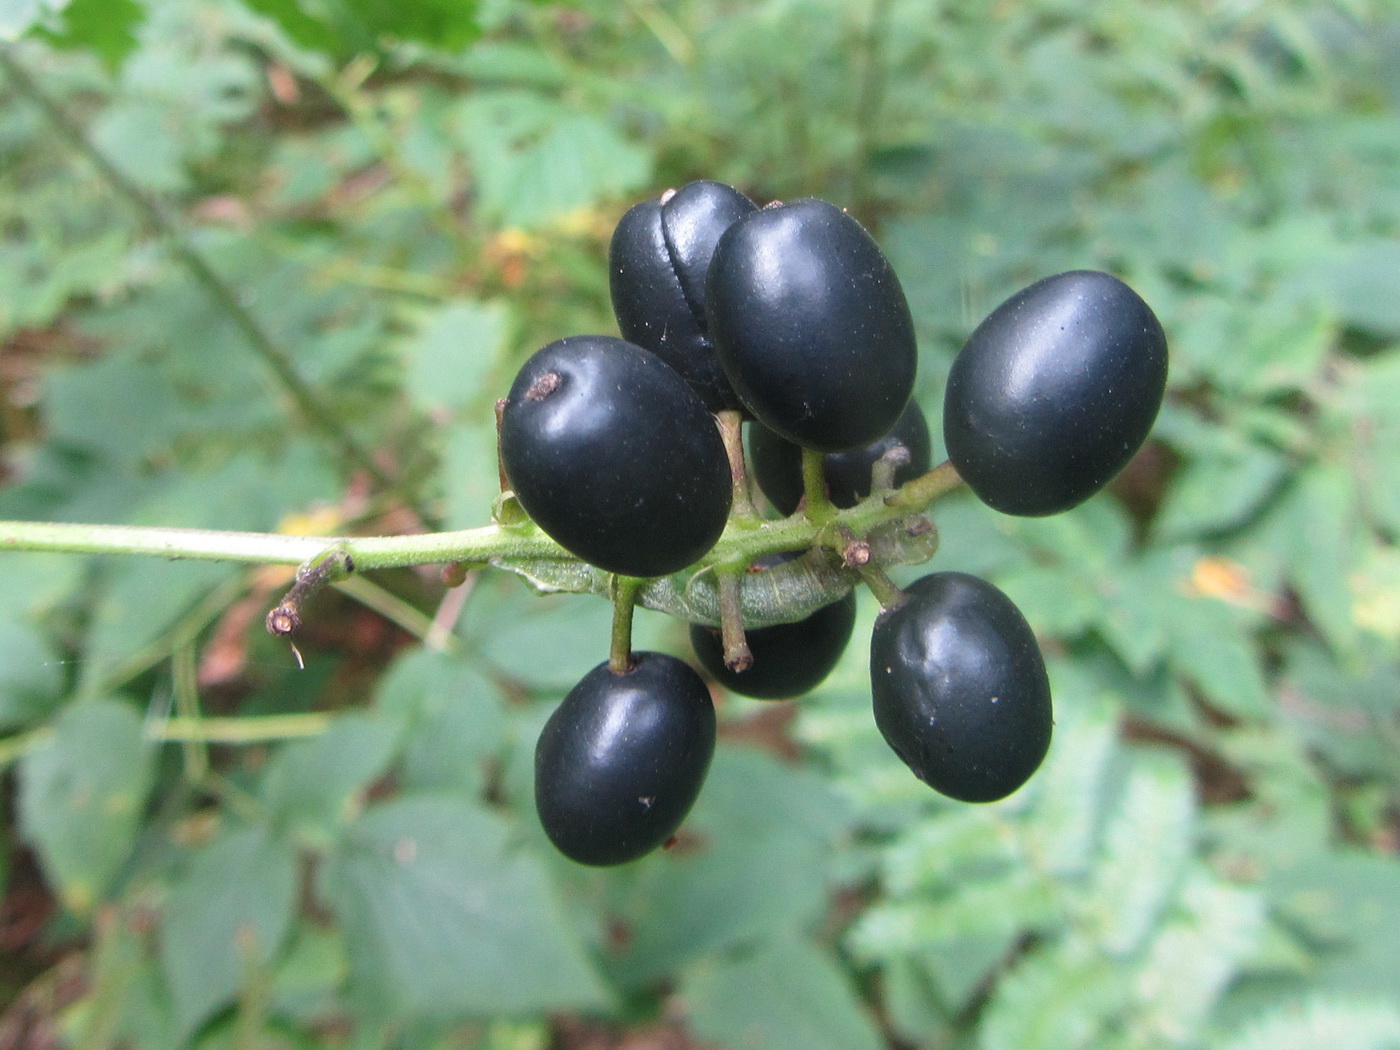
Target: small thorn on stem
[(454, 574)]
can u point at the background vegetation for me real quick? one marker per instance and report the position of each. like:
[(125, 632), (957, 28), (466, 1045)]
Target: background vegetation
[(208, 846)]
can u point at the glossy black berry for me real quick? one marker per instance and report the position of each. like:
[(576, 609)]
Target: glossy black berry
[(789, 659), (1054, 392), (777, 463), (811, 325), (622, 759), (959, 688), (615, 457), (657, 262)]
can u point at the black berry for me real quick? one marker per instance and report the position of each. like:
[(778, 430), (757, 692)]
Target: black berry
[(1054, 392), (615, 457), (959, 688), (622, 759), (811, 325), (657, 262)]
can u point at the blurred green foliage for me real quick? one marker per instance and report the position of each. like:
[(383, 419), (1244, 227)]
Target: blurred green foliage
[(411, 197)]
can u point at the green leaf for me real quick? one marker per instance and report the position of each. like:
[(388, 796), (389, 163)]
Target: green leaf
[(1364, 286), (986, 907), (231, 910), (1349, 904), (535, 161), (452, 721), (142, 601), (81, 798), (343, 27), (1154, 817), (785, 995), (468, 467), (442, 919), (105, 27), (1319, 1022), (1317, 533), (546, 642), (1071, 787), (1054, 997), (1195, 956), (1209, 646), (454, 353), (30, 676), (313, 786), (754, 816), (1220, 487)]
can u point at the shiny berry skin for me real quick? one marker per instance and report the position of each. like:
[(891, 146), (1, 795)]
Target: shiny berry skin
[(959, 687), (777, 463), (811, 325), (1054, 392), (657, 261), (789, 659), (615, 457), (622, 759)]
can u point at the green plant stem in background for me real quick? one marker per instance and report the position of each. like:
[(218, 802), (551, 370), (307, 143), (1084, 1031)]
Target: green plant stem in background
[(308, 403)]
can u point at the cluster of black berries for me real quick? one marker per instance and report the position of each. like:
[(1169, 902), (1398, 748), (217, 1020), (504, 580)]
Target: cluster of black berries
[(791, 316)]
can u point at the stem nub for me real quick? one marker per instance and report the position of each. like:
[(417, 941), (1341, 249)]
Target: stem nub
[(325, 568), (737, 656)]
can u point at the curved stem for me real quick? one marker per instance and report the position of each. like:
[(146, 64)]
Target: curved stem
[(731, 424)]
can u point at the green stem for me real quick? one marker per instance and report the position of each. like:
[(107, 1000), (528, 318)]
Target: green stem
[(917, 495), (391, 607), (819, 506), (489, 544), (185, 673), (886, 592), (307, 402), (245, 729), (625, 590), (373, 552)]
